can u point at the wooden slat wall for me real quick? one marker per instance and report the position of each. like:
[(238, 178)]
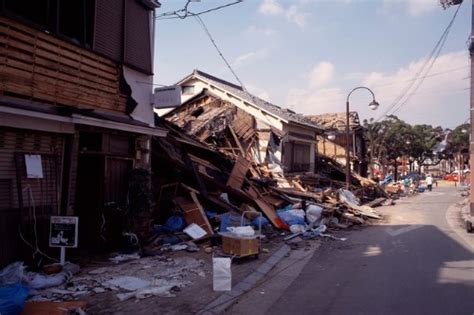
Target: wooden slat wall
[(44, 193), (17, 140), (41, 67)]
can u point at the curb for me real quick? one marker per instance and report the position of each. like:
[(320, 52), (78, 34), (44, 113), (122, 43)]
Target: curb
[(227, 299), (465, 211)]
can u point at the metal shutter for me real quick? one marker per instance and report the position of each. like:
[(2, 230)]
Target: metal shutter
[(108, 35), (137, 47)]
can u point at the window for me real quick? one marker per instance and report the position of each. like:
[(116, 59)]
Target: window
[(296, 156), (187, 89), (70, 18)]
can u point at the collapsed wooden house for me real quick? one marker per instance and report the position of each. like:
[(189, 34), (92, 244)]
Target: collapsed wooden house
[(234, 121), (336, 149)]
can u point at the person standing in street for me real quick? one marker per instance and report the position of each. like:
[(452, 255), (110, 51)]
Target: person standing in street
[(429, 182)]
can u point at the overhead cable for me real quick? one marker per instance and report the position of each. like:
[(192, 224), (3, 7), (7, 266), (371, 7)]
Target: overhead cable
[(185, 13), (422, 72), (206, 30)]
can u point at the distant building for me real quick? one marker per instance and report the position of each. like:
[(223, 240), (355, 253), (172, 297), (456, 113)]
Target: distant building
[(336, 123)]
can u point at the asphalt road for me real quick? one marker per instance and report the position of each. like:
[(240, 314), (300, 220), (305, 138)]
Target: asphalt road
[(418, 261)]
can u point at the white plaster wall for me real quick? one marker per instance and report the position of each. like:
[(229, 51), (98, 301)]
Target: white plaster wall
[(142, 89), (198, 87)]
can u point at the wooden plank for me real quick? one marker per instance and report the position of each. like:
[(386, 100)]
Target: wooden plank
[(73, 61), (52, 308), (64, 73), (61, 89), (193, 212), (265, 207), (238, 173), (51, 97), (20, 48), (236, 139), (66, 77), (293, 192), (376, 202), (54, 44)]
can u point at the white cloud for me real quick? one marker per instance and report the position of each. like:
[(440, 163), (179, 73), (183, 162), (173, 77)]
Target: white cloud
[(413, 7), (292, 13), (271, 7), (321, 74), (310, 102), (296, 16), (442, 99), (252, 29), (441, 96), (249, 57)]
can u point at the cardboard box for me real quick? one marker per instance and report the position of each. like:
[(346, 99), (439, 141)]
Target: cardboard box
[(240, 246)]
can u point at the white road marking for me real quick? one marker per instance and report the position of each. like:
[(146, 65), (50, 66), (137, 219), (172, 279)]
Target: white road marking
[(396, 232)]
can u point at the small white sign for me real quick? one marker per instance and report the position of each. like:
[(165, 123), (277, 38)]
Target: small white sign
[(64, 231), (34, 166), (166, 97)]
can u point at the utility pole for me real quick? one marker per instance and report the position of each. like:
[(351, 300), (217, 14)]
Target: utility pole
[(471, 144)]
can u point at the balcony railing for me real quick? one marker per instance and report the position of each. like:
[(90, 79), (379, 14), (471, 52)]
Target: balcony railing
[(39, 67)]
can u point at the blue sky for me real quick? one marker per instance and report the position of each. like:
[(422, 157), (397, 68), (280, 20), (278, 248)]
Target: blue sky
[(308, 54)]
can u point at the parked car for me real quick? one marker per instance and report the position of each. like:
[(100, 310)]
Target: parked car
[(454, 176)]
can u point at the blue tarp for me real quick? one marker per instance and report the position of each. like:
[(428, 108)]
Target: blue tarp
[(12, 299)]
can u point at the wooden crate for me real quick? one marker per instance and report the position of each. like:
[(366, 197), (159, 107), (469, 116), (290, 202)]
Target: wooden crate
[(240, 247)]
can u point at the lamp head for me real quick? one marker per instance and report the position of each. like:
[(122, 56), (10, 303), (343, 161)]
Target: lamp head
[(331, 136), (374, 105)]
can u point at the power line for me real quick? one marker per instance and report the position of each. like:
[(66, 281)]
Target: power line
[(185, 13), (206, 30), (428, 76), (429, 61), (432, 62)]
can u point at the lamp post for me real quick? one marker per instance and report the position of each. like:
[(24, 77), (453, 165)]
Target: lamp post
[(373, 105)]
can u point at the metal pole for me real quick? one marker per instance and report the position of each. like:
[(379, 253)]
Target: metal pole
[(348, 164)]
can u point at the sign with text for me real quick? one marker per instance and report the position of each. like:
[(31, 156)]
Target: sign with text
[(63, 231)]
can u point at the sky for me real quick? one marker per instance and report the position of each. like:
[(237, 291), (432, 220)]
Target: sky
[(307, 55)]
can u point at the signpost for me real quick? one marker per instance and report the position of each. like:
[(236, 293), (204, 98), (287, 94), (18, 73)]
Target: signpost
[(63, 233)]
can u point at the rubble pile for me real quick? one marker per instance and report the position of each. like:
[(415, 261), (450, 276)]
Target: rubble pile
[(203, 184)]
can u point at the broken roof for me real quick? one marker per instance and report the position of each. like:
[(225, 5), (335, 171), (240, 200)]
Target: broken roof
[(284, 114), (336, 120)]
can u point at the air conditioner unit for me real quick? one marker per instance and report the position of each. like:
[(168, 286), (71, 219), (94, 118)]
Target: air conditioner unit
[(166, 97)]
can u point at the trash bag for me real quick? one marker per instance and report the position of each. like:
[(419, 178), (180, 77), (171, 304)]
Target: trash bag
[(313, 213), (260, 221), (12, 274), (12, 299), (347, 196), (221, 273), (175, 223), (39, 281), (292, 217), (297, 228)]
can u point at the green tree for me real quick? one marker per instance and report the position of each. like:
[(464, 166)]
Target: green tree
[(422, 140)]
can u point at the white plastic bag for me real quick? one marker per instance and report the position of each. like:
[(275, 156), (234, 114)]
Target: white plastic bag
[(297, 228), (12, 274), (242, 231), (313, 213), (222, 275)]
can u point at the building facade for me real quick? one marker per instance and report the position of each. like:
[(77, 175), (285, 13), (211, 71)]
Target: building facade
[(75, 113)]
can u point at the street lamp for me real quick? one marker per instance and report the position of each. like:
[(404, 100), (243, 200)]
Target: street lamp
[(373, 106), (331, 135)]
